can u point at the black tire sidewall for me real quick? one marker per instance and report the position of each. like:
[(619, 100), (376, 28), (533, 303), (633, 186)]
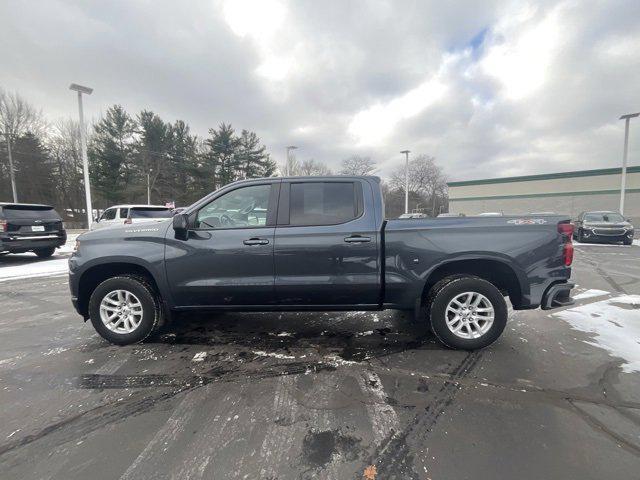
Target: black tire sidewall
[(149, 309), (44, 252), (452, 289)]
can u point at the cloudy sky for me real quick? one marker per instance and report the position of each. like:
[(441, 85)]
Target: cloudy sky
[(489, 88)]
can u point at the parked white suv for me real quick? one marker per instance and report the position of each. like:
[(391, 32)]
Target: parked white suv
[(128, 214)]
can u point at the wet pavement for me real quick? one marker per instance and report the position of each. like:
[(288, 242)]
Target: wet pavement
[(327, 395)]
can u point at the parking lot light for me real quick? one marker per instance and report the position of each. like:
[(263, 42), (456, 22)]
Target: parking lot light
[(625, 154), (83, 148)]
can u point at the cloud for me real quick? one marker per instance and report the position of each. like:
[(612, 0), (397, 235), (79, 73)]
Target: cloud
[(492, 88)]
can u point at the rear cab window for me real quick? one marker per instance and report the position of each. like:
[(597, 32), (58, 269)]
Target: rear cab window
[(150, 212)]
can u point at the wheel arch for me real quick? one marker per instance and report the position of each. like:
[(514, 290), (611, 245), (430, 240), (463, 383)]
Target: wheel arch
[(500, 272), (96, 274)]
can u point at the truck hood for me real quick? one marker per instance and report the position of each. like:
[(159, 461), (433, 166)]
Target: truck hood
[(147, 229), (606, 224)]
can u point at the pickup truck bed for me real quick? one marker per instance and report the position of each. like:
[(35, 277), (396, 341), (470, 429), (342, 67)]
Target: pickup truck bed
[(321, 243)]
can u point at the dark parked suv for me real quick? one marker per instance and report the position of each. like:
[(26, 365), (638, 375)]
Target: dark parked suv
[(603, 227), (30, 228)]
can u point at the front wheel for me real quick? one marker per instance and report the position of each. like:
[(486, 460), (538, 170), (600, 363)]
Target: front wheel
[(44, 252), (628, 241), (124, 310), (466, 312)]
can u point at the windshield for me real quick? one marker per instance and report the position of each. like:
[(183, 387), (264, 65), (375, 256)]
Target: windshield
[(604, 217), (30, 212), (150, 213)]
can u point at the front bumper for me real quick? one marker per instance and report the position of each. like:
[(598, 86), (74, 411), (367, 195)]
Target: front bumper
[(24, 243), (592, 236), (557, 295)]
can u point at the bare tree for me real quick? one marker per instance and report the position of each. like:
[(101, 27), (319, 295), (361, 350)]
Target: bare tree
[(63, 143), (357, 165), (17, 116), (306, 168), (425, 178)]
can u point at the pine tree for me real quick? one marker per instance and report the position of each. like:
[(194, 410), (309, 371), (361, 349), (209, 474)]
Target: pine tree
[(35, 181), (111, 155), (252, 158), (221, 156), (152, 152)]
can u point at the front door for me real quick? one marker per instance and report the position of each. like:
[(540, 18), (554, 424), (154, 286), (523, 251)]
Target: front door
[(227, 258), (326, 251)]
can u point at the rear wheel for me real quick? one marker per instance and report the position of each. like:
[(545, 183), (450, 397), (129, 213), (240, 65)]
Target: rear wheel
[(466, 312), (124, 310), (44, 252)]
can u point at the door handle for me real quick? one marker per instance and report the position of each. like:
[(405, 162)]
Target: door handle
[(256, 241), (357, 239)]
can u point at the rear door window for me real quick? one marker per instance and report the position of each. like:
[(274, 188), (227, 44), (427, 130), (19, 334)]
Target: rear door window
[(145, 212), (124, 212), (324, 203)]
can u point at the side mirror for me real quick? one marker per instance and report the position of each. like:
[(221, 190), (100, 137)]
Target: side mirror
[(181, 224)]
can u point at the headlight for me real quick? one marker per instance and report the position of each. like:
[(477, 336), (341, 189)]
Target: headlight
[(628, 227), (76, 246)]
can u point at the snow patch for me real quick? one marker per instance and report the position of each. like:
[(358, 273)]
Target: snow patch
[(282, 356), (58, 264), (199, 357), (615, 325), (590, 293)]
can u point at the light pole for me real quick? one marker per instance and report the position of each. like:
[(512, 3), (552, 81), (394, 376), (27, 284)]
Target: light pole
[(289, 148), (149, 186), (12, 173), (625, 153), (406, 180), (83, 148)]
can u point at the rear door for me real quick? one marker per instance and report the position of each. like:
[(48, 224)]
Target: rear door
[(227, 257), (326, 244)]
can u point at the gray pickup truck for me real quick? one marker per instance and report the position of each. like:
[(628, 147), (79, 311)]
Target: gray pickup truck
[(321, 243)]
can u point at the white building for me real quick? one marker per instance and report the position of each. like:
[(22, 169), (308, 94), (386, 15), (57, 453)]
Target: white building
[(567, 193)]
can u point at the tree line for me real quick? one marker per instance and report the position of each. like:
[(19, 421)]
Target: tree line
[(131, 153)]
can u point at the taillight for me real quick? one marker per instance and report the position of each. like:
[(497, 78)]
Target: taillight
[(566, 230), (127, 221), (567, 253), (3, 226)]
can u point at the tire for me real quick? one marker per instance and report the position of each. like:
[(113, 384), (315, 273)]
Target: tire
[(142, 303), (44, 252), (478, 332), (628, 241), (580, 237)]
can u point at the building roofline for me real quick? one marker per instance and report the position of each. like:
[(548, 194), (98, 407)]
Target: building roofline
[(546, 176)]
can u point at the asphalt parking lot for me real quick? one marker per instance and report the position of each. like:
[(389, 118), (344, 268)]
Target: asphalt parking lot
[(330, 395)]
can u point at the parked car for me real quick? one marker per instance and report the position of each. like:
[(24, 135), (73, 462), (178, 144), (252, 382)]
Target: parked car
[(491, 214), (128, 214), (30, 228), (413, 215), (320, 243), (445, 215), (603, 226)]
